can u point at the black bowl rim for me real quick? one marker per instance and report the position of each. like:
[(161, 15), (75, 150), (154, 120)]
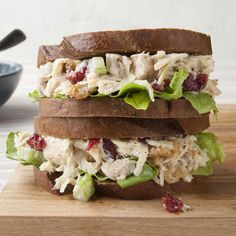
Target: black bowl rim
[(19, 68)]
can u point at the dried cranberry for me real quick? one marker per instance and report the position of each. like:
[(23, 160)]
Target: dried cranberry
[(36, 142), (201, 80), (161, 87), (172, 204), (110, 148), (158, 87), (190, 84), (92, 142), (77, 76), (195, 84)]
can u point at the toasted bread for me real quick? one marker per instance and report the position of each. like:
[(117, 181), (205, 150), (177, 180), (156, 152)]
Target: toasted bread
[(115, 107), (86, 45)]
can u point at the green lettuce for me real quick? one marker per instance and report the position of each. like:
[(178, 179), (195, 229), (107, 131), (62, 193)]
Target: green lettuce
[(209, 143), (11, 150), (139, 100), (34, 95), (204, 170), (138, 95), (148, 173), (129, 88), (25, 155), (174, 90), (202, 102), (29, 156), (84, 188), (134, 94)]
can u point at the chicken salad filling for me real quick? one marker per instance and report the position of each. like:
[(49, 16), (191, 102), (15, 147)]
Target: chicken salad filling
[(125, 161), (167, 76)]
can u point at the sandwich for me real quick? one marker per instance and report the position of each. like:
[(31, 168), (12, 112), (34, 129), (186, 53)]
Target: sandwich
[(122, 114)]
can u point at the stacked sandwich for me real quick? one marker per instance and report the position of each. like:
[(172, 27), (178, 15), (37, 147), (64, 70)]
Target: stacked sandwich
[(121, 113)]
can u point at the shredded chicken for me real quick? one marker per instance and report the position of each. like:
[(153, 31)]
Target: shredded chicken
[(60, 66), (174, 158), (138, 68), (79, 91), (177, 162), (118, 65), (118, 169), (211, 88), (142, 66), (166, 64)]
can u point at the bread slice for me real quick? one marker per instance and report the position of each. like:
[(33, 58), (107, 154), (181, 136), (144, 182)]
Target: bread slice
[(49, 53), (136, 41), (142, 191), (104, 127), (115, 107), (128, 42)]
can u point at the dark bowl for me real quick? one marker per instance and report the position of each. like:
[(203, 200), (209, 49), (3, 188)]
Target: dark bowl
[(10, 73)]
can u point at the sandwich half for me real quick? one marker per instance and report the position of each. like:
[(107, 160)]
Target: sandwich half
[(123, 114)]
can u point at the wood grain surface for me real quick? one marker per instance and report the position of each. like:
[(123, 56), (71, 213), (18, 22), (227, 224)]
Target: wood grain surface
[(27, 210)]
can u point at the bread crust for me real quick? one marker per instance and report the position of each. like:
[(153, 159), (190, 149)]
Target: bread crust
[(115, 107), (49, 53), (128, 42), (104, 127), (136, 41), (142, 191)]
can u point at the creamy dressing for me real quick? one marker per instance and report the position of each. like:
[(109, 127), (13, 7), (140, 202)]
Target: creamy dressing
[(140, 68), (118, 169), (133, 148), (174, 158)]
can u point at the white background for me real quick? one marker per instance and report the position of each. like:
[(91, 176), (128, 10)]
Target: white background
[(46, 21)]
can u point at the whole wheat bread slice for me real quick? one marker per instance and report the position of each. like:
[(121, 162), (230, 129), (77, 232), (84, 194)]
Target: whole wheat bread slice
[(114, 107), (128, 42), (142, 191), (136, 41), (103, 127), (49, 53)]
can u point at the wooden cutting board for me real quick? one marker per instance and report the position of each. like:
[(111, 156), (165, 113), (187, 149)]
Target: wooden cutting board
[(27, 210)]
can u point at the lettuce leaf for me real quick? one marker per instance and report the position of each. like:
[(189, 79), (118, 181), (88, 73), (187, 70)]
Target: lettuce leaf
[(174, 90), (34, 95), (209, 143), (29, 156), (202, 102), (139, 100), (25, 155), (129, 88), (11, 150), (204, 170), (84, 188), (134, 94), (148, 173)]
